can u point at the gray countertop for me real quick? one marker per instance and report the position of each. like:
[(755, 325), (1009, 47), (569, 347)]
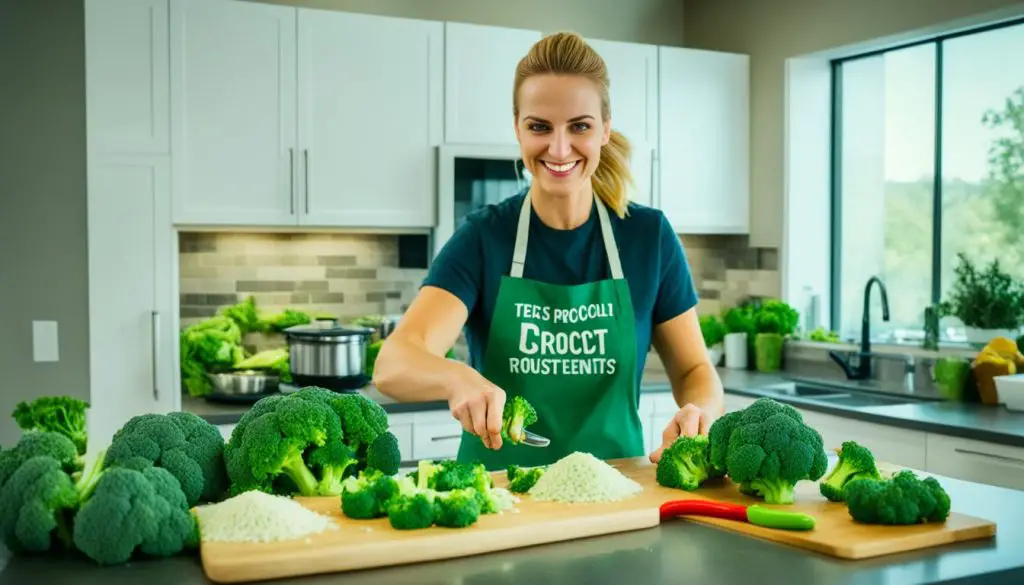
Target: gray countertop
[(971, 421), (676, 552)]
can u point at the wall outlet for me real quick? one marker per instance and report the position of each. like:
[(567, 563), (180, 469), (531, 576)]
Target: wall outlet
[(44, 341)]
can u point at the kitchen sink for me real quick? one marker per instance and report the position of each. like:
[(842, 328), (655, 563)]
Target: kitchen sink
[(857, 400), (833, 394)]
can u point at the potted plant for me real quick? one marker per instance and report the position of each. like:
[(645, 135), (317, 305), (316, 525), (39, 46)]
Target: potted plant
[(989, 302), (739, 336), (713, 331), (774, 321)]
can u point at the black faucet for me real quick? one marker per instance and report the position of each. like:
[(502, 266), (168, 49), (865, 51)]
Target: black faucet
[(862, 371)]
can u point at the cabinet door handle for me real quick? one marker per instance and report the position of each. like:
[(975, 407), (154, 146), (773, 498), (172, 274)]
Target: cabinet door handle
[(654, 158), (1016, 461), (291, 180), (155, 316), (305, 153), (445, 437)]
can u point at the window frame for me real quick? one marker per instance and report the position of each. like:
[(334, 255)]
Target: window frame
[(836, 154)]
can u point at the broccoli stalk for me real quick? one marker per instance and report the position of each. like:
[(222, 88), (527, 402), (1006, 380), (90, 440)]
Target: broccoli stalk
[(516, 416), (86, 482), (685, 464), (855, 462), (294, 467)]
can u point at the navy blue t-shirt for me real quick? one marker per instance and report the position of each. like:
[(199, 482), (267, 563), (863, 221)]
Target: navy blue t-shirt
[(479, 253)]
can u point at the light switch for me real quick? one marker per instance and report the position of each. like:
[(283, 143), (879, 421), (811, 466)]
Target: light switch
[(44, 341)]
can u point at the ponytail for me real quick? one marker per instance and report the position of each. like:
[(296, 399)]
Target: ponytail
[(568, 53), (612, 179)]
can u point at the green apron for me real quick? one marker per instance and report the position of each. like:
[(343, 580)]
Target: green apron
[(571, 352)]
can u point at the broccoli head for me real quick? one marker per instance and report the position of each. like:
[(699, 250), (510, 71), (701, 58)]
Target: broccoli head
[(855, 462), (456, 508), (902, 499), (685, 464), (383, 454), (411, 511), (184, 444), (37, 505), (267, 449), (59, 414), (521, 479), (517, 415), (362, 422), (134, 511), (39, 443), (768, 449)]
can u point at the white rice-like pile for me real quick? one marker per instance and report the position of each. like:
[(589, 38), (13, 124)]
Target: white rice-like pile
[(581, 477), (255, 516)]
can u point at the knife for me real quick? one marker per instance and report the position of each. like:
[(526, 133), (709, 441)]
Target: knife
[(754, 514)]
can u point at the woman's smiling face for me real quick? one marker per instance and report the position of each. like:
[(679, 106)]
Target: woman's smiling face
[(560, 131)]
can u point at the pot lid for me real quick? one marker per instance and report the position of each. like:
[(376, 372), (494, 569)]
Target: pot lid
[(327, 330)]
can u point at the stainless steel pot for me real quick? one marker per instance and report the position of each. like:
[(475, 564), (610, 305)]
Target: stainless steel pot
[(326, 350)]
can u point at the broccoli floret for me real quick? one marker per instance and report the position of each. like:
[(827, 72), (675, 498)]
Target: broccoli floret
[(456, 508), (521, 479), (184, 444), (685, 464), (38, 443), (36, 506), (266, 449), (517, 415), (855, 462), (362, 422), (135, 511), (368, 495), (331, 461), (383, 454), (768, 450), (412, 511), (59, 414), (902, 499)]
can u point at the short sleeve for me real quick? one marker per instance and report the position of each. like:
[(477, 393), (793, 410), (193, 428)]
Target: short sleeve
[(677, 292), (458, 267)]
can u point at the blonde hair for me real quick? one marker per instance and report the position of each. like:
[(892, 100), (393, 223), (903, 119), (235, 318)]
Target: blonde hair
[(566, 53)]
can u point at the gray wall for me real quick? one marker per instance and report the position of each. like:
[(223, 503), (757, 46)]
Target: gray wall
[(771, 32), (43, 272)]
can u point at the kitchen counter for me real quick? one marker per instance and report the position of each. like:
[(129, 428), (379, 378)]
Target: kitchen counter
[(970, 421), (676, 552)]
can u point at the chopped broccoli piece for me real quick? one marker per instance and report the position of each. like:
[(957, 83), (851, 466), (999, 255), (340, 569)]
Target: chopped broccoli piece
[(767, 448), (59, 414), (369, 494), (446, 475), (517, 415), (456, 508), (184, 444), (36, 506), (521, 479), (855, 462), (685, 464), (133, 511), (412, 511), (383, 454), (902, 499)]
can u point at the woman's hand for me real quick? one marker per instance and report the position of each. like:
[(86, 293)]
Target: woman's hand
[(478, 404), (690, 421)]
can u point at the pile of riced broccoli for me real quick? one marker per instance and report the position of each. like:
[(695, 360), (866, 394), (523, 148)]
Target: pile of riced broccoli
[(134, 497), (767, 448)]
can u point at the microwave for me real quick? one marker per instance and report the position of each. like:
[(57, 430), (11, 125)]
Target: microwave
[(471, 177)]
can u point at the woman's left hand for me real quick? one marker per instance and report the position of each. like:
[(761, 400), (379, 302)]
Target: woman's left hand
[(691, 420)]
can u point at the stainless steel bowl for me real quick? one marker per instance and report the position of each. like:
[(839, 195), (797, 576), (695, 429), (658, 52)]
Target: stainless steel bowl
[(243, 383)]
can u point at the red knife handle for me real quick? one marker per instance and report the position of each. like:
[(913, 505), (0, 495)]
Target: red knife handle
[(712, 508)]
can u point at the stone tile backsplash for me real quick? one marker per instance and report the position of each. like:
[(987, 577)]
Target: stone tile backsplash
[(345, 275), (348, 275)]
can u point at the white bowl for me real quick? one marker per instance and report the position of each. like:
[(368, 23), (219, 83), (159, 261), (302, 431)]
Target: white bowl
[(1011, 391)]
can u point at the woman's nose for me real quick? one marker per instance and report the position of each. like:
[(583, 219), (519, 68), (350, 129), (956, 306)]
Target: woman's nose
[(560, 146)]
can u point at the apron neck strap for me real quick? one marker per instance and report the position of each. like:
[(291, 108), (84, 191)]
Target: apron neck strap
[(523, 237)]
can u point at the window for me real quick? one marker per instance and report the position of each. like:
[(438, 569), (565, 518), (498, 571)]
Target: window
[(928, 163)]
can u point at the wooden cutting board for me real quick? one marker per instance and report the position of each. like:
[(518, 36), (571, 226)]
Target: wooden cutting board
[(362, 544)]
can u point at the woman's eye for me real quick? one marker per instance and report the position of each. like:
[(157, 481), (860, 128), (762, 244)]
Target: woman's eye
[(538, 127), (582, 126)]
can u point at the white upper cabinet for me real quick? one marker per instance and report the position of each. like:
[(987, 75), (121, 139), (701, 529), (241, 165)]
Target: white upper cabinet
[(633, 72), (371, 109), (127, 82), (703, 162), (480, 65), (233, 69)]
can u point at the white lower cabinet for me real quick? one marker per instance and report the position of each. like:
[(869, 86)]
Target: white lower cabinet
[(979, 461)]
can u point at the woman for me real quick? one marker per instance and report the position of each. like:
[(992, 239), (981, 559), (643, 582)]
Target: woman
[(561, 290)]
